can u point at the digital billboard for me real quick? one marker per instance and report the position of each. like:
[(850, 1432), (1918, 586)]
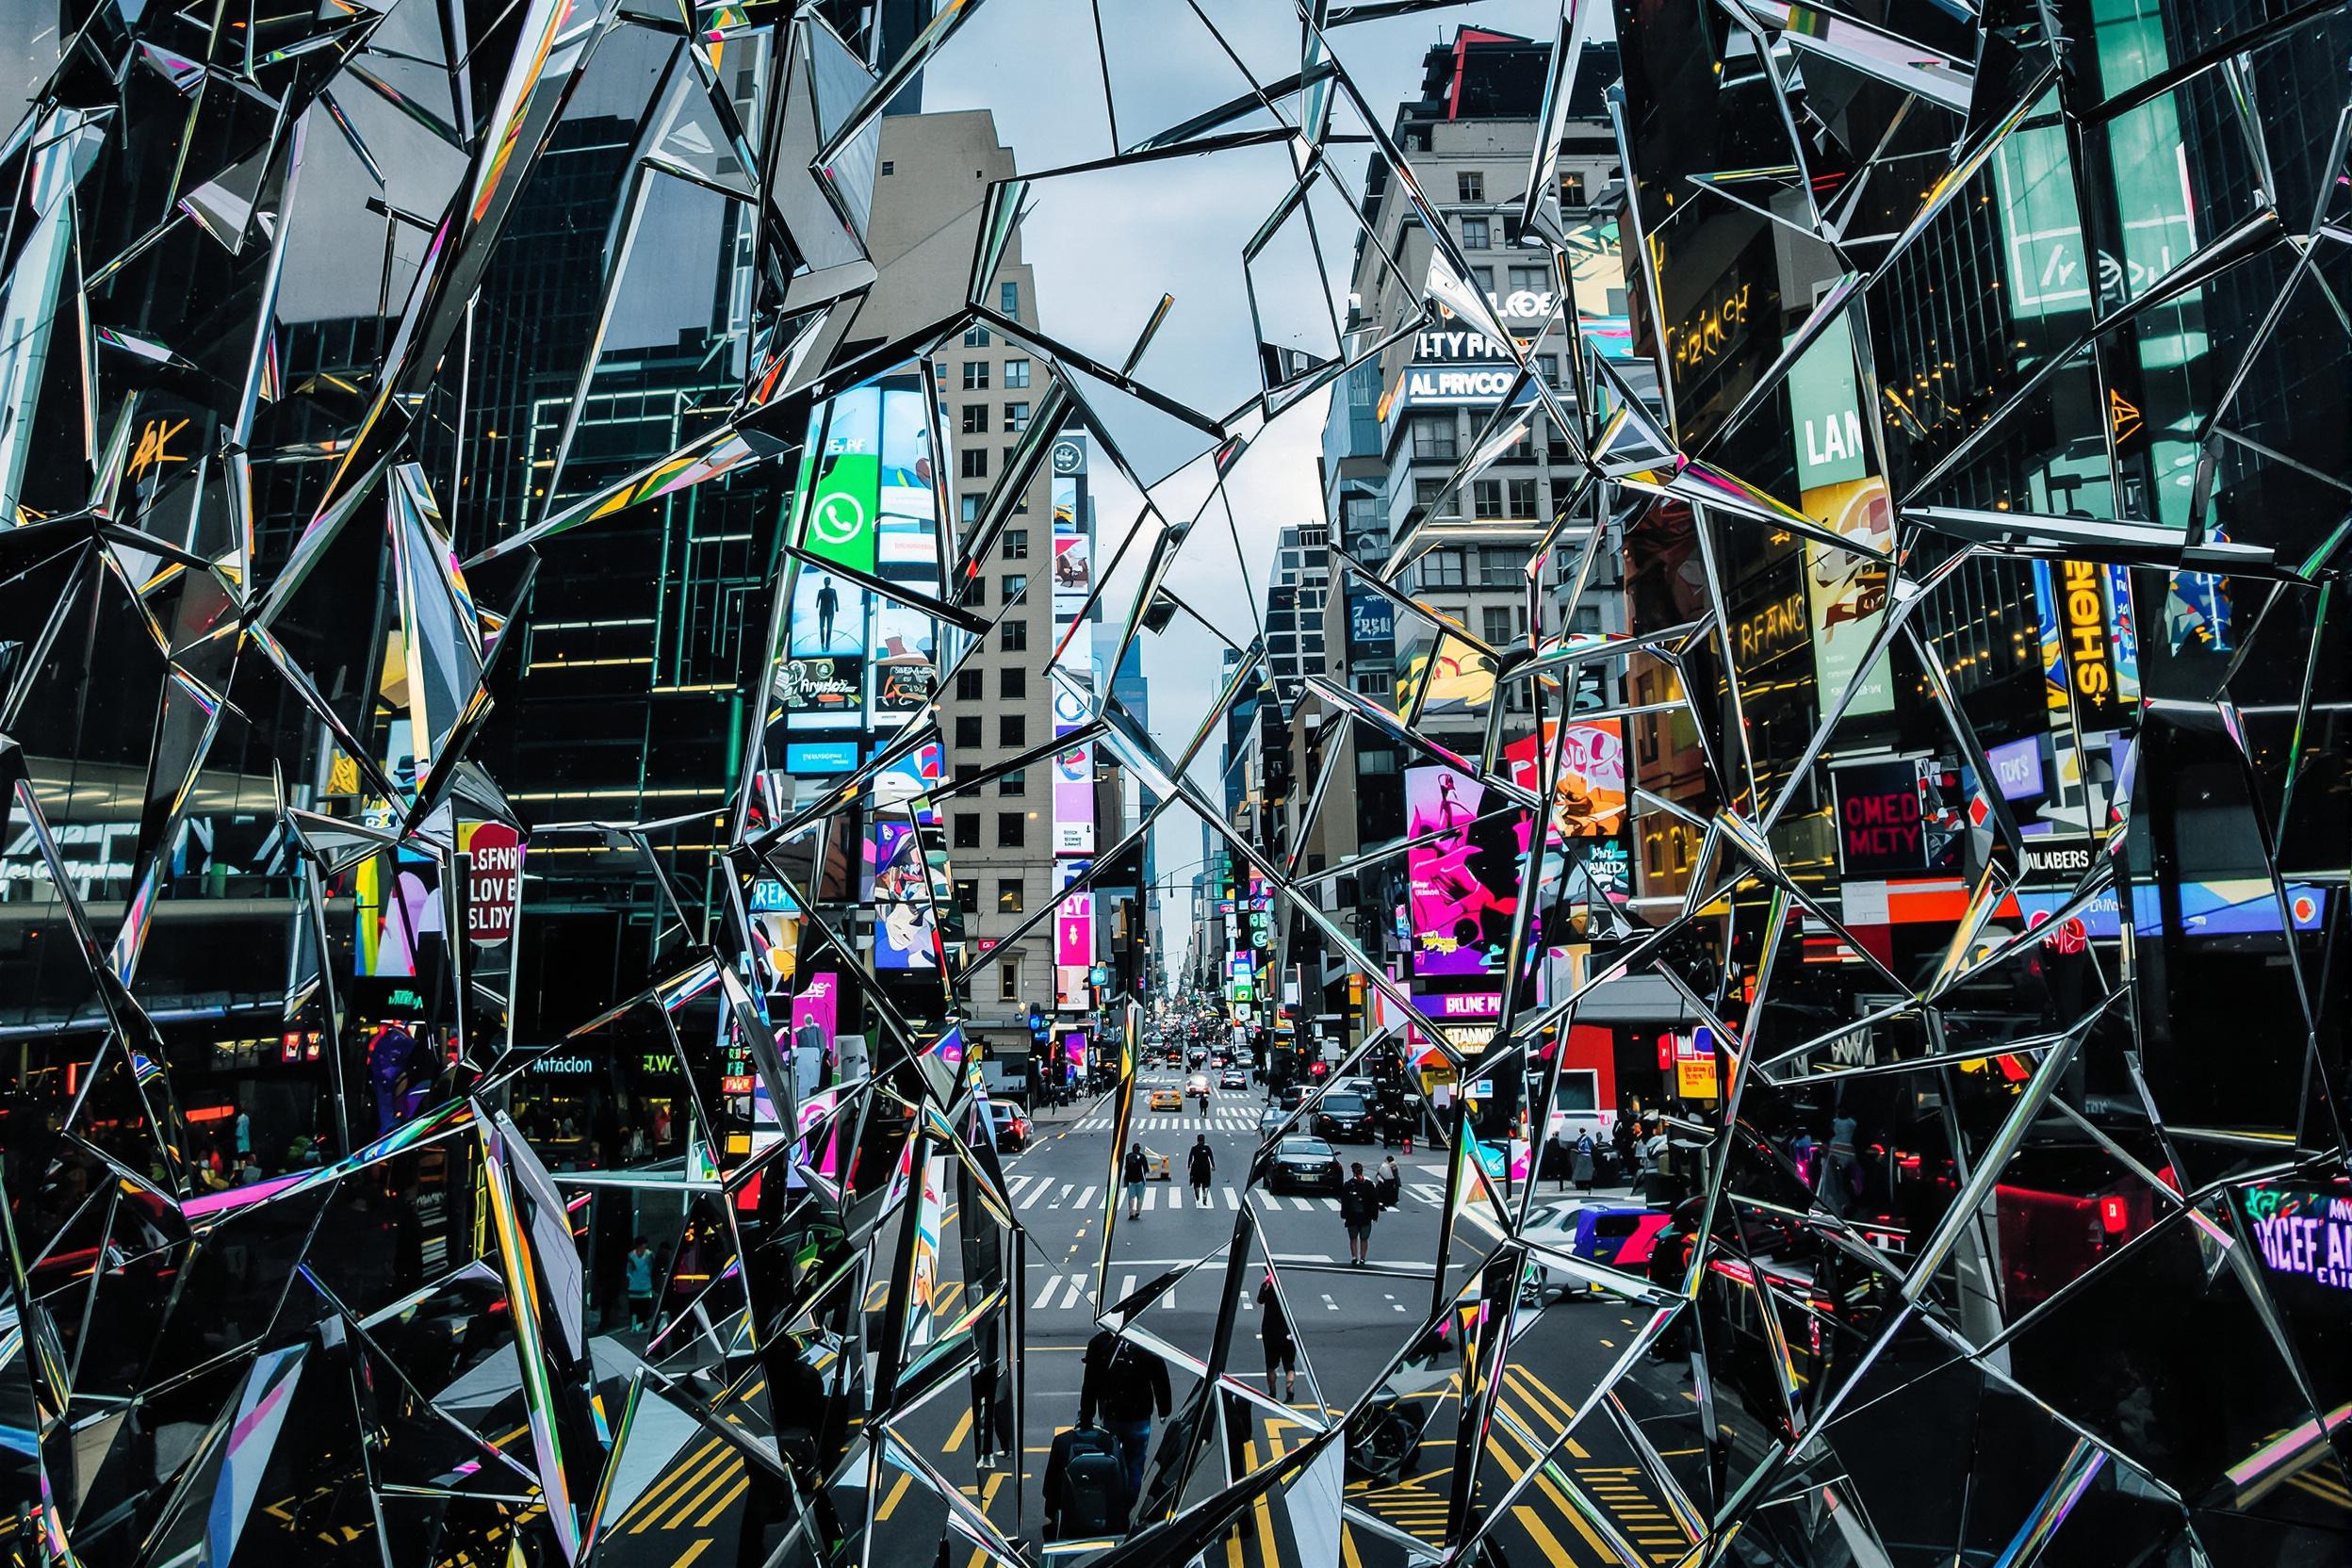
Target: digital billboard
[(1463, 885), (1845, 594), (843, 496), (1589, 795), (820, 679), (1074, 799), (905, 922), (903, 658)]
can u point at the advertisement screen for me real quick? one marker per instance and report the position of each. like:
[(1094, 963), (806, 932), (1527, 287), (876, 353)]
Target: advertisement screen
[(1074, 571), (1589, 797), (903, 658), (913, 777), (821, 681), (1889, 823), (903, 922), (839, 521), (1845, 594), (1463, 884), (1074, 931), (1073, 800)]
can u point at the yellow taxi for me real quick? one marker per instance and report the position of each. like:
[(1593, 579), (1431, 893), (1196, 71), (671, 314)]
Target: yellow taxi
[(1157, 1166), (1167, 1100)]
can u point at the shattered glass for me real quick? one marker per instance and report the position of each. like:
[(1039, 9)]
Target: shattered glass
[(676, 676)]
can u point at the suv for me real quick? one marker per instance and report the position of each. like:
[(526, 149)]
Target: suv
[(1011, 1128)]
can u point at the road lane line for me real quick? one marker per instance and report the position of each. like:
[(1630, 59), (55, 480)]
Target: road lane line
[(1046, 1296), (1037, 1192), (726, 1501), (1150, 1196), (961, 1431), (1329, 1305), (1126, 1287), (1061, 1195), (1085, 1198), (1076, 1282), (1545, 1541), (1302, 1203), (1175, 1199), (1268, 1198), (906, 1478), (1233, 1199)]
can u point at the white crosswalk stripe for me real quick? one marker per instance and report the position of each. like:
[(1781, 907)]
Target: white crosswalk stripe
[(1233, 1199), (1037, 1192), (1430, 1193), (1151, 1197)]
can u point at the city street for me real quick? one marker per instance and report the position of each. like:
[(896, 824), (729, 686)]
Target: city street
[(1589, 1507)]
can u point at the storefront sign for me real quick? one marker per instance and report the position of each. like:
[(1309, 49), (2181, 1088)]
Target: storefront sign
[(1880, 828), (561, 1067), (1452, 348), (1450, 387), (494, 881), (2083, 612), (1774, 629), (2017, 768), (2305, 1234), (2067, 859)]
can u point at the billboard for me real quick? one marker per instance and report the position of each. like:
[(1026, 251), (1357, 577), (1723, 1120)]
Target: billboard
[(905, 922), (1073, 580), (2079, 650), (916, 776), (1074, 931), (903, 658), (1589, 797), (1074, 571), (844, 492), (1889, 823), (1371, 625), (494, 881), (1463, 885), (1845, 594), (1074, 799), (821, 682)]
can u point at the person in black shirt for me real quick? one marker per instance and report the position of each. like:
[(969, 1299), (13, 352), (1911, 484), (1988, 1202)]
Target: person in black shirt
[(1199, 1165), (1133, 1173), (1128, 1385), (1358, 1205), (1281, 1350)]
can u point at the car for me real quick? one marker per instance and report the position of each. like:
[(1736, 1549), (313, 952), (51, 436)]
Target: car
[(1293, 1095), (1197, 1084), (1348, 1117), (1302, 1164), (1012, 1128), (1272, 1120), (1166, 1100), (1156, 1166), (1352, 1086), (1234, 1078), (1621, 1235)]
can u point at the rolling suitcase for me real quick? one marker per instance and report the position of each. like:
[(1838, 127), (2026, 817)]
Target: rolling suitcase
[(1091, 1497)]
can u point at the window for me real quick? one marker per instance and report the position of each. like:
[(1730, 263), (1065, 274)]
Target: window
[(967, 831), (1014, 683), (1016, 374), (1009, 964), (1008, 899), (1547, 367), (1523, 502), (1474, 234), (1427, 491), (970, 686), (1015, 782), (975, 375), (1008, 299), (1484, 278), (1009, 452), (1495, 625), (1016, 543), (1572, 189), (975, 420), (1500, 567), (1433, 438), (1012, 635), (967, 731), (1012, 729), (968, 508), (1470, 187), (976, 337), (1486, 497), (976, 592), (1015, 585), (1443, 569), (1016, 418), (1534, 280), (972, 463), (888, 167), (967, 895), (1012, 829)]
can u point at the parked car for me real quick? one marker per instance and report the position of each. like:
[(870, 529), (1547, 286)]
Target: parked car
[(1293, 1095), (1234, 1078), (1303, 1164), (1346, 1116), (1012, 1128), (1621, 1235), (1167, 1100)]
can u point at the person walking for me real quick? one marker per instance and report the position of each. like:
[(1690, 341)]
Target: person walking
[(640, 1283), (1390, 1183), (1133, 1174), (1581, 1164), (1656, 1162), (1624, 1133), (1358, 1205), (1274, 1331), (1127, 1385), (1199, 1165)]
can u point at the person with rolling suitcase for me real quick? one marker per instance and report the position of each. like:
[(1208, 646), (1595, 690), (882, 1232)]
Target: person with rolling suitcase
[(1129, 1385)]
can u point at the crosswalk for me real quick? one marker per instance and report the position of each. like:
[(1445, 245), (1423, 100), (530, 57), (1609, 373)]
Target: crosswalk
[(1216, 1121), (1047, 1192), (1065, 1291)]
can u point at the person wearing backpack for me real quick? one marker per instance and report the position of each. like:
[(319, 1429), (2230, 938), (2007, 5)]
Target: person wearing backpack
[(1201, 1164), (1132, 1173), (1127, 1385), (1282, 1351), (1358, 1205)]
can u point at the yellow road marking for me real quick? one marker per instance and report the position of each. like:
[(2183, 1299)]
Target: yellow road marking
[(725, 1502), (663, 1495), (1545, 1541), (698, 1498), (906, 1478), (961, 1431)]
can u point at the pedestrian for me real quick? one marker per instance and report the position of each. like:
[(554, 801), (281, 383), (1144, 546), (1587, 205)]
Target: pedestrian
[(1840, 1187), (1391, 1182), (1134, 1177), (640, 1273), (1274, 1331), (1358, 1205), (1199, 1165), (1581, 1168), (1128, 1385), (1624, 1134), (244, 1134), (1655, 1161)]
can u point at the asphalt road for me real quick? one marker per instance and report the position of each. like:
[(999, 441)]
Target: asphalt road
[(1590, 1502)]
